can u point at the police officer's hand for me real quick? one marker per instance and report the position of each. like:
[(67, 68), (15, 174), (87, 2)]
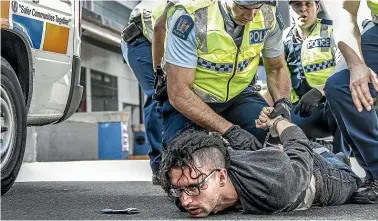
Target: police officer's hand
[(160, 85), (240, 139), (308, 103), (281, 107), (360, 77)]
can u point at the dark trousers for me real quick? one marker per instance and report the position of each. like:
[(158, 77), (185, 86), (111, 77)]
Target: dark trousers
[(321, 124), (335, 180), (242, 110), (360, 130), (139, 57)]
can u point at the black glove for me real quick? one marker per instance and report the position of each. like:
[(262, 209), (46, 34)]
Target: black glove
[(281, 107), (160, 85), (240, 139), (308, 102)]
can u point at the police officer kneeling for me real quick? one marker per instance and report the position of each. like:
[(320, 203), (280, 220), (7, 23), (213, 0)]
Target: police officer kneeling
[(311, 56)]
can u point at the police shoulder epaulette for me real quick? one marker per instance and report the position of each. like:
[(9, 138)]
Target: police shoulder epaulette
[(327, 22)]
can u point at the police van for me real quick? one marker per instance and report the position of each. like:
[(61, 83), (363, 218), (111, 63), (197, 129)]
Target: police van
[(40, 72)]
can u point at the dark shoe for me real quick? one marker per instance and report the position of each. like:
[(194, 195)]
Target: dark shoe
[(367, 194), (155, 179), (343, 158)]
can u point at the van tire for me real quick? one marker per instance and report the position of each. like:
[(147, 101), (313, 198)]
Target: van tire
[(15, 135)]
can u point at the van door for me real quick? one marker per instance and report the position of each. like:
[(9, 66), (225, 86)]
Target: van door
[(51, 26)]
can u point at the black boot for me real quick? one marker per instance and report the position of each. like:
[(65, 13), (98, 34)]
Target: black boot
[(367, 194)]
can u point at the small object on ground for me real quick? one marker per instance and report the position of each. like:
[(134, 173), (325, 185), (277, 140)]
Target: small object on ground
[(121, 211)]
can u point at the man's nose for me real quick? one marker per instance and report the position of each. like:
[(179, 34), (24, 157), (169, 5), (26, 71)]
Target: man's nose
[(250, 14), (185, 199), (302, 7)]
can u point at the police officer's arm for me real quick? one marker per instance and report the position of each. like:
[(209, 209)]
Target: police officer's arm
[(181, 60), (278, 80), (348, 39), (183, 99), (158, 37)]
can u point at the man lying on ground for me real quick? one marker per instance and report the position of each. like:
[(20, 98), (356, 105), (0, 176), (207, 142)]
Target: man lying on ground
[(209, 177)]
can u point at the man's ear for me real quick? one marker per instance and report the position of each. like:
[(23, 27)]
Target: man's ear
[(223, 177)]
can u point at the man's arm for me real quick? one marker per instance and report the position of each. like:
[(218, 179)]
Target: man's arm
[(182, 97), (348, 40), (181, 61), (278, 80), (280, 176), (158, 37), (345, 24)]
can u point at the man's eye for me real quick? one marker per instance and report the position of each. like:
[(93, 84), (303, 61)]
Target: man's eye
[(242, 8), (192, 188), (297, 4)]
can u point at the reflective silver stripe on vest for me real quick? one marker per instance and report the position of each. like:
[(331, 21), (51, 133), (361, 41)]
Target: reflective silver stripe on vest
[(200, 19), (324, 34), (147, 18), (206, 97), (268, 14), (319, 66), (244, 64), (217, 67)]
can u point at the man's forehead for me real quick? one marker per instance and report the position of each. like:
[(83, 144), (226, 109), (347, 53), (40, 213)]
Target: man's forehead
[(251, 7), (246, 3), (179, 176), (290, 2), (183, 177)]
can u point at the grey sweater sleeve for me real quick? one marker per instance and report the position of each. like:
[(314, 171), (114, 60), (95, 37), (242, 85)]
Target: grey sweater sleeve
[(269, 180)]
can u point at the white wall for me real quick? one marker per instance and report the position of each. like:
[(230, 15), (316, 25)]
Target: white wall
[(110, 63)]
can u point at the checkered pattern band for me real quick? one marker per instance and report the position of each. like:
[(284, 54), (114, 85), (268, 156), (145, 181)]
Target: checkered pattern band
[(319, 66), (244, 64), (217, 67)]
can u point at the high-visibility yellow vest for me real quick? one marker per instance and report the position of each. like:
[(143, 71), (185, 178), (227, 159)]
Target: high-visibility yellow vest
[(150, 13), (223, 69), (317, 57), (373, 5)]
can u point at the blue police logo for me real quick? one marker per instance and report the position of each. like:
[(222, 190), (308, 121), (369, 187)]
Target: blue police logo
[(319, 43), (14, 6), (183, 26), (258, 36)]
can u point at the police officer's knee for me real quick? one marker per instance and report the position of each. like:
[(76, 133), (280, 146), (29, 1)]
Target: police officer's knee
[(331, 85), (337, 83)]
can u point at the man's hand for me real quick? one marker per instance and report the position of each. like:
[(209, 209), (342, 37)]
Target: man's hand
[(240, 139), (308, 103), (360, 77), (264, 121), (281, 107)]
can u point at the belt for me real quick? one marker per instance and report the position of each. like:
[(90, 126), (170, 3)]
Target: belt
[(132, 31)]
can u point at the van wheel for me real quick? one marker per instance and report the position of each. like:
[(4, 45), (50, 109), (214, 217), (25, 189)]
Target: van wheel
[(13, 126)]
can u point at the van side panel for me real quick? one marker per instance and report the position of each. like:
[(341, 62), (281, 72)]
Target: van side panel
[(54, 34), (50, 27), (5, 14)]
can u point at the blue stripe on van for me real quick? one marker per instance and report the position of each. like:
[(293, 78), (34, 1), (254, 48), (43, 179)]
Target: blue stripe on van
[(33, 27)]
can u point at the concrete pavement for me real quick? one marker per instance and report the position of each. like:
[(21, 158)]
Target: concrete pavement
[(85, 200)]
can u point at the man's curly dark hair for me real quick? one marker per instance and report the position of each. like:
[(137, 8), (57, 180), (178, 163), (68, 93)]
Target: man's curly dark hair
[(194, 148)]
